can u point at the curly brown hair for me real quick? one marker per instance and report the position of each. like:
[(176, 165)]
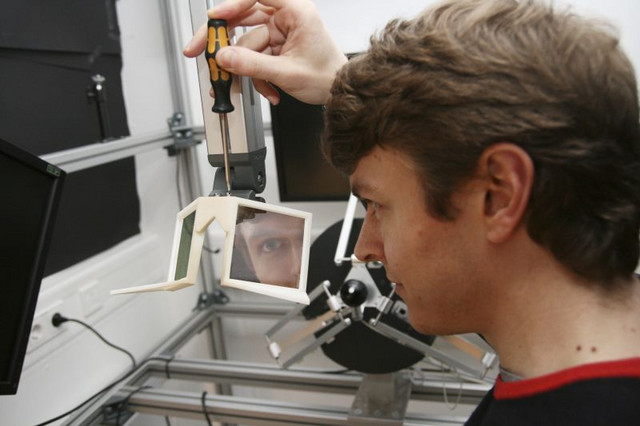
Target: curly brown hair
[(466, 74)]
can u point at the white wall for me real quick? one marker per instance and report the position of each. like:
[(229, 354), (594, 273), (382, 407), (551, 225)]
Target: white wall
[(73, 364)]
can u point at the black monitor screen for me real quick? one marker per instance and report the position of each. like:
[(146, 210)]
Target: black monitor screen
[(303, 172), (29, 196)]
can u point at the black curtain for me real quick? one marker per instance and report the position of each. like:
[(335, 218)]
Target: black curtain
[(60, 88)]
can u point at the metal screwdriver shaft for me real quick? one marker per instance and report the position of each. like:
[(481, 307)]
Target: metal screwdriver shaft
[(217, 38)]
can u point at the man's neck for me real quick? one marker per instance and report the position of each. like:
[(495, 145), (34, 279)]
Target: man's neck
[(552, 320)]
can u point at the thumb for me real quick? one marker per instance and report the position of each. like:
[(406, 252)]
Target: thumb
[(246, 62)]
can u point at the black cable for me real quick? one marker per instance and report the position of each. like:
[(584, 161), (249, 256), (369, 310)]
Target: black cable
[(166, 367), (100, 392), (59, 319), (204, 408)]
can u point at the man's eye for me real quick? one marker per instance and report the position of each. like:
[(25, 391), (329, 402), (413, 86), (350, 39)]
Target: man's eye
[(370, 204), (270, 245)]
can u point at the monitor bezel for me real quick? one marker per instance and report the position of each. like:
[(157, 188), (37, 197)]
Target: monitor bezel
[(9, 384)]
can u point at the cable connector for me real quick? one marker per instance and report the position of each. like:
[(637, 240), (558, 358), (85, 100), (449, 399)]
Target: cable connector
[(58, 319)]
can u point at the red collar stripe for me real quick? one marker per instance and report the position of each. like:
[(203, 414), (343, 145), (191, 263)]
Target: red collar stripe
[(529, 387)]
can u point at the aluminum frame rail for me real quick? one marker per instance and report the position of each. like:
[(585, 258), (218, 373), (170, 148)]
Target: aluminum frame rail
[(430, 388), (251, 411), (75, 159)]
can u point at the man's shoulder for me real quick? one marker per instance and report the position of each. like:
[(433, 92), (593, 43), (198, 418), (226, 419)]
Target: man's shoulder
[(597, 394)]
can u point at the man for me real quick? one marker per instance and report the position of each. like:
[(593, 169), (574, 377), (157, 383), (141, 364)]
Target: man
[(496, 146)]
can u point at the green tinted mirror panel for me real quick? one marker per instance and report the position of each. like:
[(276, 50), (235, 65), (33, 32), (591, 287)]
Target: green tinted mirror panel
[(184, 249)]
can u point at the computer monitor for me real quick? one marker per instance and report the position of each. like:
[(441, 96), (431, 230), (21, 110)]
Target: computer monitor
[(30, 191), (303, 172)]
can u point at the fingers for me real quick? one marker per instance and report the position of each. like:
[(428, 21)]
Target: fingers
[(267, 90), (241, 12), (257, 39), (237, 13), (230, 9), (242, 61), (197, 44)]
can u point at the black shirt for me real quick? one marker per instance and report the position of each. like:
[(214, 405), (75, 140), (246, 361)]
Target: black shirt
[(604, 393)]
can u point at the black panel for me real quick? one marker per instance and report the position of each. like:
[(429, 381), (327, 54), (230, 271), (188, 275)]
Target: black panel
[(303, 172), (50, 53), (60, 25), (45, 107), (99, 209)]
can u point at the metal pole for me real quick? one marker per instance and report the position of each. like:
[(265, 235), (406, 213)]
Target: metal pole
[(251, 411), (84, 157), (178, 78)]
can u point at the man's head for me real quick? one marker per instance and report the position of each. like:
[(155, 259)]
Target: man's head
[(471, 74)]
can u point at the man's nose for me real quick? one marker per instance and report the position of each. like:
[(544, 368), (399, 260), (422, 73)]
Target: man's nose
[(369, 246)]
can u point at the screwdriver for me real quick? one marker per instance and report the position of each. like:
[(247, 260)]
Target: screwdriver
[(217, 38)]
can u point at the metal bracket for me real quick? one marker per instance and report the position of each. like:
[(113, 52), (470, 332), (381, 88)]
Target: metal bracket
[(115, 411), (381, 399), (247, 174), (182, 135), (205, 300)]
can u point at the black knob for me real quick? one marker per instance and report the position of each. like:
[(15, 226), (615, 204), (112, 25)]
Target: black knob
[(353, 293)]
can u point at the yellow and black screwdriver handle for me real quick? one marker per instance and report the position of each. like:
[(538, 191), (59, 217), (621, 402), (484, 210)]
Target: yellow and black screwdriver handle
[(217, 38)]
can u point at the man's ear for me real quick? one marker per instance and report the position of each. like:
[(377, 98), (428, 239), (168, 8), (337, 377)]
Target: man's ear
[(508, 174)]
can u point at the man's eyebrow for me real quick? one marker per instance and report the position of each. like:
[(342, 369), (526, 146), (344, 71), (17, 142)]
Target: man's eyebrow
[(358, 187)]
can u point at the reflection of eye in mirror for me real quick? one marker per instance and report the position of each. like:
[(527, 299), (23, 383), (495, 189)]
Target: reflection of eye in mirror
[(267, 248)]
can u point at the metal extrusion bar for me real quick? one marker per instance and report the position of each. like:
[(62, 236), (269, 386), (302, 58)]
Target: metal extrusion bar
[(178, 73), (182, 334), (92, 415), (430, 388), (84, 157), (255, 310), (262, 375), (251, 411), (246, 411)]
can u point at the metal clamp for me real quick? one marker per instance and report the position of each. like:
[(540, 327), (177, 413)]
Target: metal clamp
[(183, 137)]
